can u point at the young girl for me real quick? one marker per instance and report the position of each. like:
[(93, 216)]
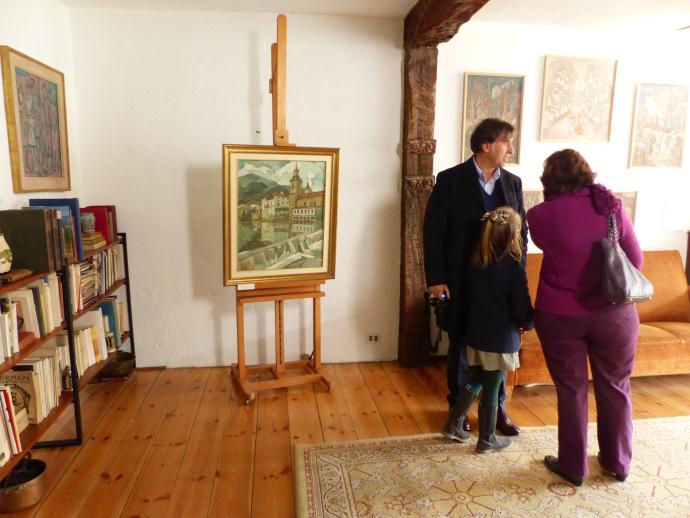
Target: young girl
[(500, 309)]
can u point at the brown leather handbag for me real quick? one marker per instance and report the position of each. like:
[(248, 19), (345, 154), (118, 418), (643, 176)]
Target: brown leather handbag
[(621, 281)]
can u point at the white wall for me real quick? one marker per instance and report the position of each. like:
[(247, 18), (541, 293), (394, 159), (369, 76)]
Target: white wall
[(40, 29), (662, 215), (159, 92)]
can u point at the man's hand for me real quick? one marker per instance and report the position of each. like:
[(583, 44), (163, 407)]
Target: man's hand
[(437, 291)]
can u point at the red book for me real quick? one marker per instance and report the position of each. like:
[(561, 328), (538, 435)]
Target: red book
[(112, 218), (106, 220), (101, 215)]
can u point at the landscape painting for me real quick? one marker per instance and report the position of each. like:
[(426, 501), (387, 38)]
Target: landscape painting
[(36, 123), (577, 99), (279, 213), (492, 95), (658, 133)]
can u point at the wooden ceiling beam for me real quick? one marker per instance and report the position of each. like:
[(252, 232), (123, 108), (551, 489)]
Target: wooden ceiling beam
[(431, 22)]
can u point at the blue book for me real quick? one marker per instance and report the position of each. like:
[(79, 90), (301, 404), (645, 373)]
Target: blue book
[(109, 309), (73, 204)]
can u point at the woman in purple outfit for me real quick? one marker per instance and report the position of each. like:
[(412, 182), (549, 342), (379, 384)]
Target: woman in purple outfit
[(574, 321)]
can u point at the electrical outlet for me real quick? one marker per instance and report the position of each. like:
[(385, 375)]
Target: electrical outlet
[(373, 338)]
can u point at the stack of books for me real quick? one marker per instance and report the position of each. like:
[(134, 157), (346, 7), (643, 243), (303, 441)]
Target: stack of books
[(92, 241)]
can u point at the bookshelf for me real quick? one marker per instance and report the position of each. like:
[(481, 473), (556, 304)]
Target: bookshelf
[(30, 437)]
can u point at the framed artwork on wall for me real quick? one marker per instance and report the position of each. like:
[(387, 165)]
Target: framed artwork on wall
[(658, 130), (629, 200), (279, 213), (36, 123), (532, 198), (492, 95), (577, 99)]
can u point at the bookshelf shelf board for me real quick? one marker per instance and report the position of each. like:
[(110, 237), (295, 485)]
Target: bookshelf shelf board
[(20, 283), (28, 349), (97, 251), (33, 432), (92, 303)]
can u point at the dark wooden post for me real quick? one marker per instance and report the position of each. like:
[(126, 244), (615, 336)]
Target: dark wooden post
[(429, 23)]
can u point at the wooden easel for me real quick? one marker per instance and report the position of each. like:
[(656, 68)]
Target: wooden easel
[(308, 369)]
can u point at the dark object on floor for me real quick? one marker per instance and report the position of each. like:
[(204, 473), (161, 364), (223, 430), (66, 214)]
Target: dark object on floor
[(24, 486), (552, 463), (120, 367)]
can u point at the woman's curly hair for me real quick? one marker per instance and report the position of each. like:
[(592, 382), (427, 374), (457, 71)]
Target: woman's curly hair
[(566, 171)]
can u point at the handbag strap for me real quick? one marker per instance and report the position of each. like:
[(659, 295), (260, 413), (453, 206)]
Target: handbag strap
[(613, 228)]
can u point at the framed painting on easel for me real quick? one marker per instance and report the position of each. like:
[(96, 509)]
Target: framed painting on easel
[(279, 213), (36, 123), (492, 95)]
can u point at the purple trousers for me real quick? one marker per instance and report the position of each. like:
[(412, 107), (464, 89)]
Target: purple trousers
[(609, 339)]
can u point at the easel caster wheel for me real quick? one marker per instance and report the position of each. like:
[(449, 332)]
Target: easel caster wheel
[(247, 401), (330, 388)]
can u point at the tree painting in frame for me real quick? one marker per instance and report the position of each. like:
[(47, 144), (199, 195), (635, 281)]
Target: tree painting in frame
[(492, 95), (36, 123), (577, 99), (279, 213), (658, 132)]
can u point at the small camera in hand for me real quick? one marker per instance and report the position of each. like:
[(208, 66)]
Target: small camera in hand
[(440, 305)]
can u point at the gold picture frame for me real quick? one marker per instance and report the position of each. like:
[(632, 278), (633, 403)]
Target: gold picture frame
[(279, 213), (492, 95), (36, 123), (577, 99)]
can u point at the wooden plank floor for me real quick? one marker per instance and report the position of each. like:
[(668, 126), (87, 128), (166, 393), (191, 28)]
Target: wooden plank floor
[(181, 443)]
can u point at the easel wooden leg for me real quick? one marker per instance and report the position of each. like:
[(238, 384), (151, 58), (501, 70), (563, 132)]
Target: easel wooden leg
[(316, 361), (310, 367), (239, 371), (280, 339)]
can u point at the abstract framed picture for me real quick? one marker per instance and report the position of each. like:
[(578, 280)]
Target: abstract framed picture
[(658, 130), (279, 213), (628, 199), (36, 123), (492, 95), (577, 99), (531, 198)]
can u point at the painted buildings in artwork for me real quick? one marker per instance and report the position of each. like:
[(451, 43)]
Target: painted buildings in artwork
[(275, 207), (305, 204)]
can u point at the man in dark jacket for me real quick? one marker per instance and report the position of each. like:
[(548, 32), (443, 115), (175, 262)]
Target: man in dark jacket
[(461, 196)]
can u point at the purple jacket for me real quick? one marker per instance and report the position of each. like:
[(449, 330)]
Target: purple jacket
[(567, 228)]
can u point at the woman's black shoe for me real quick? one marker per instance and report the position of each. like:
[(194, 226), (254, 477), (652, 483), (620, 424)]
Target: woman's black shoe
[(621, 477), (552, 464)]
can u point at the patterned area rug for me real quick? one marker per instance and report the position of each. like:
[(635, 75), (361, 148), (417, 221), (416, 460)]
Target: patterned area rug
[(429, 476)]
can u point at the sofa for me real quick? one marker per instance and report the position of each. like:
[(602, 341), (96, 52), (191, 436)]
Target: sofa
[(664, 343)]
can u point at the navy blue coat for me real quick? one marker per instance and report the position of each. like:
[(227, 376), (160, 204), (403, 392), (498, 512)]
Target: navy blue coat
[(451, 231), (500, 305)]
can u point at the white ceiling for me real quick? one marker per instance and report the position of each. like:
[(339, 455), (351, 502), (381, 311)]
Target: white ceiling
[(633, 14)]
